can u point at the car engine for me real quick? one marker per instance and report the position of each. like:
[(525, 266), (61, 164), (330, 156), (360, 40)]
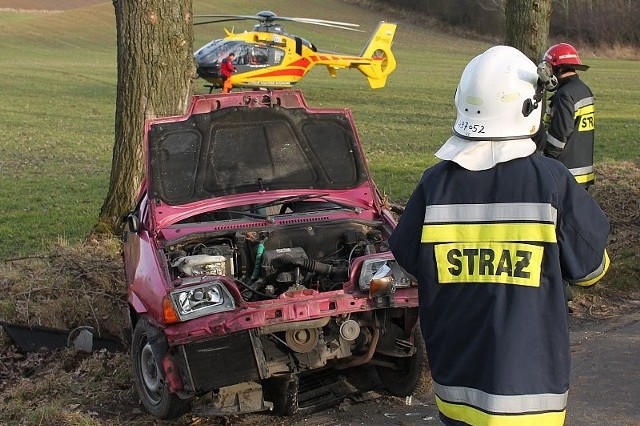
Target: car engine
[(268, 262)]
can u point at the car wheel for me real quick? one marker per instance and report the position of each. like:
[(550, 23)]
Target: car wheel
[(283, 393), (149, 379), (409, 375)]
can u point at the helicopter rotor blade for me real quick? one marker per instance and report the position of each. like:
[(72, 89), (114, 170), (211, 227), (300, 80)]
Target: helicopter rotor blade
[(330, 25), (267, 17), (214, 21), (239, 17), (322, 21)]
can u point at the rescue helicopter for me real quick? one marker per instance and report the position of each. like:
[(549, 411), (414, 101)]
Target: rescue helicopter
[(269, 58)]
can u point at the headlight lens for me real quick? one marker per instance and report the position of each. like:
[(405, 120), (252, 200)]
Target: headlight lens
[(382, 272), (203, 299)]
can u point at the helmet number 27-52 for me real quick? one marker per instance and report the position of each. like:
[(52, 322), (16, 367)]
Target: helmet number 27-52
[(472, 128)]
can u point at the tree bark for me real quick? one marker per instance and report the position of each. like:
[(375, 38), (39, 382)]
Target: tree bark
[(527, 26), (156, 75)]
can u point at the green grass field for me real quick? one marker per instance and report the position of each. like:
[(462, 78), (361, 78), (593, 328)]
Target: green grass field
[(57, 106)]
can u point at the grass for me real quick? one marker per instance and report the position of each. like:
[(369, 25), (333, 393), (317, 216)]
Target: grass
[(58, 95)]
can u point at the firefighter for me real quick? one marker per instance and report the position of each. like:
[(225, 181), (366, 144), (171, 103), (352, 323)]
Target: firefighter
[(490, 233), (570, 116)]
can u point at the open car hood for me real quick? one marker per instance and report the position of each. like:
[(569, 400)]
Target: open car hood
[(247, 142)]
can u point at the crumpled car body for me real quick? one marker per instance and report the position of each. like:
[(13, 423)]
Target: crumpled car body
[(257, 252)]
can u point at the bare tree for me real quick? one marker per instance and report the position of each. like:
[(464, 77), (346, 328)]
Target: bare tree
[(155, 78), (527, 26)]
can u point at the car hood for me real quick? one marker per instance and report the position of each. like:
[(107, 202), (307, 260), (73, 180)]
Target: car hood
[(251, 141)]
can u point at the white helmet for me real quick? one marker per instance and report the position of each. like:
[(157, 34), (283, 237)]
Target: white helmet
[(496, 119)]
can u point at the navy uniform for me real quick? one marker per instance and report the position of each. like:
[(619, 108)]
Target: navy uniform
[(490, 233), (571, 128), (570, 118)]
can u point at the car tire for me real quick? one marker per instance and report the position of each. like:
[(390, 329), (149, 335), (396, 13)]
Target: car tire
[(410, 374), (154, 394), (282, 391)]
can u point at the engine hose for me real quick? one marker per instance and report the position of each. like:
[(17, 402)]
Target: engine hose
[(286, 261), (259, 293), (258, 263), (313, 266)]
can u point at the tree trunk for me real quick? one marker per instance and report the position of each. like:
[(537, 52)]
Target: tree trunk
[(156, 75), (527, 26)]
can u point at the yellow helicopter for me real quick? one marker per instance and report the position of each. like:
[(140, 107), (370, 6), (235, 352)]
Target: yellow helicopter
[(269, 58)]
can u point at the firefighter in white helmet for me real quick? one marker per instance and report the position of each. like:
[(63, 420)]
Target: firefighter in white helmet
[(490, 233)]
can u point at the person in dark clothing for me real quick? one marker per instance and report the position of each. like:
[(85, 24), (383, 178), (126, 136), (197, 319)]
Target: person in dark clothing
[(490, 233), (226, 70), (570, 116)]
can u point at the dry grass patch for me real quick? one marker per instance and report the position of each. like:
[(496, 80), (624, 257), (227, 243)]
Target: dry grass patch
[(617, 190), (79, 285)]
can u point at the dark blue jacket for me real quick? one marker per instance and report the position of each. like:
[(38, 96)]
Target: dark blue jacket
[(490, 250), (570, 121)]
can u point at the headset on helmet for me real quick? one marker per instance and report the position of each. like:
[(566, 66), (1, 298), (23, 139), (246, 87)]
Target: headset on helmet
[(564, 55)]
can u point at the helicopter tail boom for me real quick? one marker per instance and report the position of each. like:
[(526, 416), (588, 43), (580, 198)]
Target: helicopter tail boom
[(378, 49)]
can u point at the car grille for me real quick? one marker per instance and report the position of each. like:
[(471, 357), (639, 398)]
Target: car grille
[(222, 361)]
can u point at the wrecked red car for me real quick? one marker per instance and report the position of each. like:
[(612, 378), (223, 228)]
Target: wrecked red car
[(258, 253)]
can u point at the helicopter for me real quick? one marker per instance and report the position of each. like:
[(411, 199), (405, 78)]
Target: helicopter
[(269, 58)]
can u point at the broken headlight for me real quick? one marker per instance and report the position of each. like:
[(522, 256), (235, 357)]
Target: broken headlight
[(382, 276), (204, 299)]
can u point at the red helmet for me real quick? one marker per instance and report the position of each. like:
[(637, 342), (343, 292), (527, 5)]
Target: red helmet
[(564, 55)]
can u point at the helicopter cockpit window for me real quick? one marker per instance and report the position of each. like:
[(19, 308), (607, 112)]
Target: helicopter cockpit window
[(259, 56), (217, 50), (243, 54), (278, 56)]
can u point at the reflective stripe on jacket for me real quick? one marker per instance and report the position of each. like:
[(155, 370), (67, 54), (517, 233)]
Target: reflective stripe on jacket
[(570, 121), (490, 250)]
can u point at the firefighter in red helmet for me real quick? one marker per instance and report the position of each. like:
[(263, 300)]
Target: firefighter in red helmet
[(570, 115)]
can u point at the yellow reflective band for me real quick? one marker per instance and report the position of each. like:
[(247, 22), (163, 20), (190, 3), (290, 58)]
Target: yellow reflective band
[(476, 417), (589, 109), (458, 232), (586, 123), (592, 281), (496, 263), (589, 177)]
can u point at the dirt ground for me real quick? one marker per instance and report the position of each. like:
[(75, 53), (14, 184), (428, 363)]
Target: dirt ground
[(605, 342)]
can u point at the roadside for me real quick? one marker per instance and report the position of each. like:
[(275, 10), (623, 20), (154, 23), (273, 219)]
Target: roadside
[(605, 384), (605, 381), (605, 372)]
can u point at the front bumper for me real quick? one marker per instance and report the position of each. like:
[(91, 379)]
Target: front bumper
[(302, 305)]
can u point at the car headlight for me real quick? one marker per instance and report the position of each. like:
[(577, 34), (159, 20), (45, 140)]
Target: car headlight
[(382, 276), (204, 299)]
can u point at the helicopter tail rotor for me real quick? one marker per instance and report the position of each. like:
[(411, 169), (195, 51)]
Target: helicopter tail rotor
[(378, 49)]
